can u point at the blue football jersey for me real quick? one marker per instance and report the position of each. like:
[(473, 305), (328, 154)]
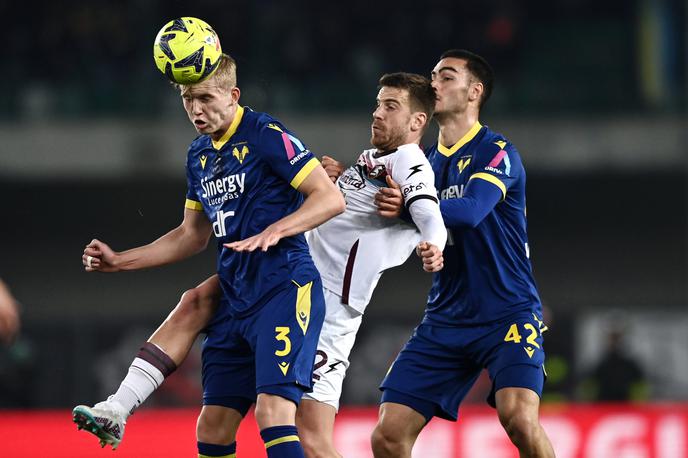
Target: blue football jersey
[(487, 275), (244, 182)]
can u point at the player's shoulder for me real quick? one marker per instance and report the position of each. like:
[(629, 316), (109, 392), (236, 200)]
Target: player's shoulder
[(409, 163), (410, 149), (263, 128), (262, 122), (492, 142), (407, 154)]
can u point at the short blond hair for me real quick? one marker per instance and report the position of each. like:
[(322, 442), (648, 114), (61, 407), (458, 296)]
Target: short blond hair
[(224, 74)]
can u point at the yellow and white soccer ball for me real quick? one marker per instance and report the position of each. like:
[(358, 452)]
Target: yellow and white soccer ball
[(187, 50)]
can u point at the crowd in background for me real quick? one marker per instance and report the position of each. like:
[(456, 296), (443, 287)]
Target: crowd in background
[(96, 59)]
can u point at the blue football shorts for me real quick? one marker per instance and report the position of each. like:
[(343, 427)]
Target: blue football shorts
[(439, 365), (270, 351)]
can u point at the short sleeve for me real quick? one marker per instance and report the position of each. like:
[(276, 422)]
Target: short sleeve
[(192, 200), (412, 171), (497, 163), (286, 155)]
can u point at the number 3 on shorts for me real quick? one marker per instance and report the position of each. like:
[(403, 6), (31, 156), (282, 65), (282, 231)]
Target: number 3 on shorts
[(282, 332)]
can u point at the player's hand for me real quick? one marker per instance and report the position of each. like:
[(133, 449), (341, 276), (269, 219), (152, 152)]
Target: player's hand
[(99, 257), (431, 255), (9, 319), (389, 200), (333, 167), (269, 237)]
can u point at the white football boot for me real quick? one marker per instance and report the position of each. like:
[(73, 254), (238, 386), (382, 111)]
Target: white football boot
[(105, 420)]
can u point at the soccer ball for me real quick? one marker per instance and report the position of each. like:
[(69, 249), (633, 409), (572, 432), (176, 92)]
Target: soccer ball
[(187, 50)]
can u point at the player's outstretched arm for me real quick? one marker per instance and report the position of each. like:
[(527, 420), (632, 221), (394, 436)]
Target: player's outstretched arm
[(477, 202), (189, 238), (323, 201), (467, 211)]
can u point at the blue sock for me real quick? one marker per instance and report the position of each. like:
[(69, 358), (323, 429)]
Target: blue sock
[(282, 442), (213, 450)]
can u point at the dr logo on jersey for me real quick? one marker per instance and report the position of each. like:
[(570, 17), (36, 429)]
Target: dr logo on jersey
[(219, 226)]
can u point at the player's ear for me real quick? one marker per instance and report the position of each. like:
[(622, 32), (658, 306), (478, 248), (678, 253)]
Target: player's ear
[(418, 121), (235, 93), (476, 91)]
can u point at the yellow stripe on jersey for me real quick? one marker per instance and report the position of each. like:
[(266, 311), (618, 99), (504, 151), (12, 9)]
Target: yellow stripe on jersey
[(465, 139), (492, 179), (193, 205), (233, 455), (303, 306), (281, 440), (232, 128), (304, 172)]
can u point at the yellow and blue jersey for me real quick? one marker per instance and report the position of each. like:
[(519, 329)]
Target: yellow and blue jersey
[(244, 182), (487, 274)]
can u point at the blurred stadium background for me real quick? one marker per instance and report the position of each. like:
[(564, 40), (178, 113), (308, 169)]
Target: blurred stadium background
[(592, 93)]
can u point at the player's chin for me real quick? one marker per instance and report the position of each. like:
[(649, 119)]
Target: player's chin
[(379, 140)]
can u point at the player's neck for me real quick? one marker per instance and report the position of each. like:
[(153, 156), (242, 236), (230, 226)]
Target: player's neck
[(454, 126)]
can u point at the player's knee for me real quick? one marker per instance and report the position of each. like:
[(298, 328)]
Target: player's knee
[(521, 427), (387, 441), (193, 310), (211, 429), (273, 410), (264, 413)]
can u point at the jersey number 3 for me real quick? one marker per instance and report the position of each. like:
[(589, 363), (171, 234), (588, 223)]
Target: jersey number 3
[(282, 333)]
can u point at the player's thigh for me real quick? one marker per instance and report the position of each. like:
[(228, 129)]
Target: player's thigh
[(228, 367), (210, 291), (398, 423), (513, 353), (432, 373), (336, 340), (284, 335)]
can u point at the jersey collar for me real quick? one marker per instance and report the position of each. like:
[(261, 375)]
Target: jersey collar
[(232, 128), (473, 131)]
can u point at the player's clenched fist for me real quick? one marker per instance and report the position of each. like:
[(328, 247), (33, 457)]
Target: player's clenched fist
[(431, 255), (333, 167), (98, 256)]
